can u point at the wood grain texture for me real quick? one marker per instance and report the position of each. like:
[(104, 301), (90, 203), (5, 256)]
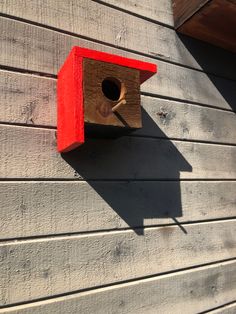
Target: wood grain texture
[(98, 106), (31, 100), (44, 208), (192, 290), (158, 11), (34, 51), (45, 267), (101, 23), (31, 153)]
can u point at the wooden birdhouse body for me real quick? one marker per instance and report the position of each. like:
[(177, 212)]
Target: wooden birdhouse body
[(99, 93), (104, 86)]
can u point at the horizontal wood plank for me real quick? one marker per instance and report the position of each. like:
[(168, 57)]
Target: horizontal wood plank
[(104, 24), (47, 208), (172, 119), (42, 268), (32, 153), (28, 99), (158, 11), (43, 50), (192, 290)]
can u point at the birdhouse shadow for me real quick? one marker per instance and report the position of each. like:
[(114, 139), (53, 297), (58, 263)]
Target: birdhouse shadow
[(138, 177)]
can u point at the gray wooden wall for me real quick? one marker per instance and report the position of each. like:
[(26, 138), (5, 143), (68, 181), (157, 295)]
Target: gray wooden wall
[(141, 224)]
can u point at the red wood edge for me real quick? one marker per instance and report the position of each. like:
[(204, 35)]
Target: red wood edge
[(70, 111)]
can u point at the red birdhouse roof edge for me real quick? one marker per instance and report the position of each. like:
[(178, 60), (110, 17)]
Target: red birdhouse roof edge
[(146, 69)]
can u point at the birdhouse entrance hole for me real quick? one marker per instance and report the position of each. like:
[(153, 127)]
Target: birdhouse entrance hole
[(111, 88)]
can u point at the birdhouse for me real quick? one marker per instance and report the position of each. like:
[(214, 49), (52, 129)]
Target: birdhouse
[(98, 95)]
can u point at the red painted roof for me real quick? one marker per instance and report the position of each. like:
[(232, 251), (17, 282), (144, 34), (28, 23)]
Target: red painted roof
[(146, 69)]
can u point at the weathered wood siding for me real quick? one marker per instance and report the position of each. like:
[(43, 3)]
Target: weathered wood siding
[(142, 224)]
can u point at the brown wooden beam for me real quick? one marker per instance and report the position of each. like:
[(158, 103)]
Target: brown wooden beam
[(213, 21)]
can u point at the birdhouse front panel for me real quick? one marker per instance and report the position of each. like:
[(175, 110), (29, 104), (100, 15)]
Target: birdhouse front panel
[(111, 94)]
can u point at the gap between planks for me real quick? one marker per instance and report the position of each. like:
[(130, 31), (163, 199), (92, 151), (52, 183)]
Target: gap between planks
[(40, 179), (48, 127), (111, 231), (220, 309), (147, 137), (95, 233)]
